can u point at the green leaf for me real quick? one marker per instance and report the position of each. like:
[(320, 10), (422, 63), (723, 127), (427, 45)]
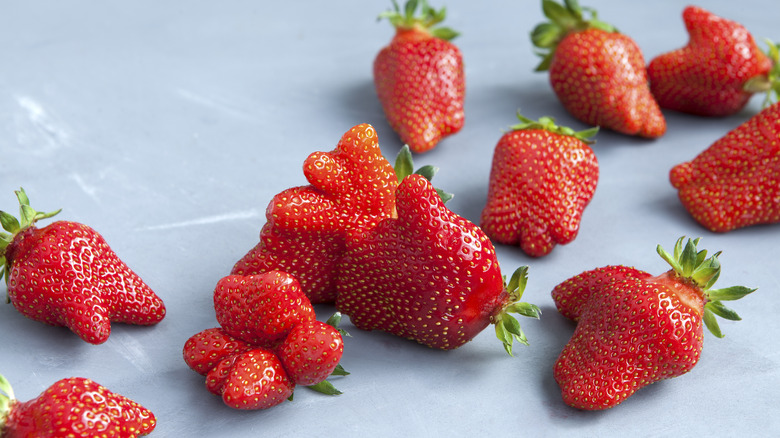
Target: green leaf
[(712, 323), (334, 320), (445, 196), (325, 387), (427, 171), (404, 163), (546, 35), (9, 223), (505, 337), (729, 293), (339, 371), (724, 312), (444, 33)]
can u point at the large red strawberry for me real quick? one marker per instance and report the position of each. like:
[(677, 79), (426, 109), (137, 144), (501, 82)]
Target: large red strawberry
[(717, 72), (597, 73), (419, 77), (261, 309), (542, 178), (735, 182), (634, 328), (65, 274), (429, 275), (72, 408), (351, 188)]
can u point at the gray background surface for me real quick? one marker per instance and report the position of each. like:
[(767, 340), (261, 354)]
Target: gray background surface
[(169, 126)]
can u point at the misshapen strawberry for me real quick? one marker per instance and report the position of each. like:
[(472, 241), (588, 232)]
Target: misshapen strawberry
[(717, 72), (351, 188), (735, 182), (72, 408), (65, 274), (597, 73), (268, 343), (429, 275), (261, 309), (419, 77), (542, 178), (634, 328)]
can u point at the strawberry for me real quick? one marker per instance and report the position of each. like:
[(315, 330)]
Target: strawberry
[(735, 182), (74, 407), (634, 329), (205, 350), (65, 274), (429, 275), (597, 73), (351, 188), (256, 380), (717, 72), (419, 77), (542, 178), (311, 352), (261, 309)]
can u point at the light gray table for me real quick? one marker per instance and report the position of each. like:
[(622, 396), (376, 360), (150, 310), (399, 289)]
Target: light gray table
[(168, 127)]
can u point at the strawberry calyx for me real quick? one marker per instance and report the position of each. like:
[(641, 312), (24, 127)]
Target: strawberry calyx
[(548, 124), (692, 266), (13, 226), (404, 166), (425, 23), (770, 82), (507, 327), (7, 400), (563, 19)]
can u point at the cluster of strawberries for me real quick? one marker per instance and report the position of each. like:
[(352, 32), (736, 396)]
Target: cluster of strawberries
[(378, 242), (268, 341)]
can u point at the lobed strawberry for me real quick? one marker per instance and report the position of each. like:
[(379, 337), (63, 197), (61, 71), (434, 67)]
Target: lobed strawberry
[(429, 275), (351, 188), (73, 408), (634, 328), (608, 86), (542, 178), (65, 274), (717, 72), (735, 182), (419, 77), (261, 309)]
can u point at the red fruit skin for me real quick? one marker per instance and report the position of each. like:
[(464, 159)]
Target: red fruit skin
[(735, 182), (65, 274), (421, 85), (707, 76), (205, 350), (540, 183), (351, 188), (571, 295), (630, 333), (600, 78), (256, 380), (427, 275), (261, 309), (78, 408), (311, 352)]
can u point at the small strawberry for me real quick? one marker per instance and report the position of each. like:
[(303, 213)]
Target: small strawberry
[(351, 188), (261, 309), (311, 352), (429, 275), (73, 408), (419, 77), (205, 350), (597, 73), (634, 329), (542, 178), (717, 72), (735, 182), (65, 274), (256, 380)]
